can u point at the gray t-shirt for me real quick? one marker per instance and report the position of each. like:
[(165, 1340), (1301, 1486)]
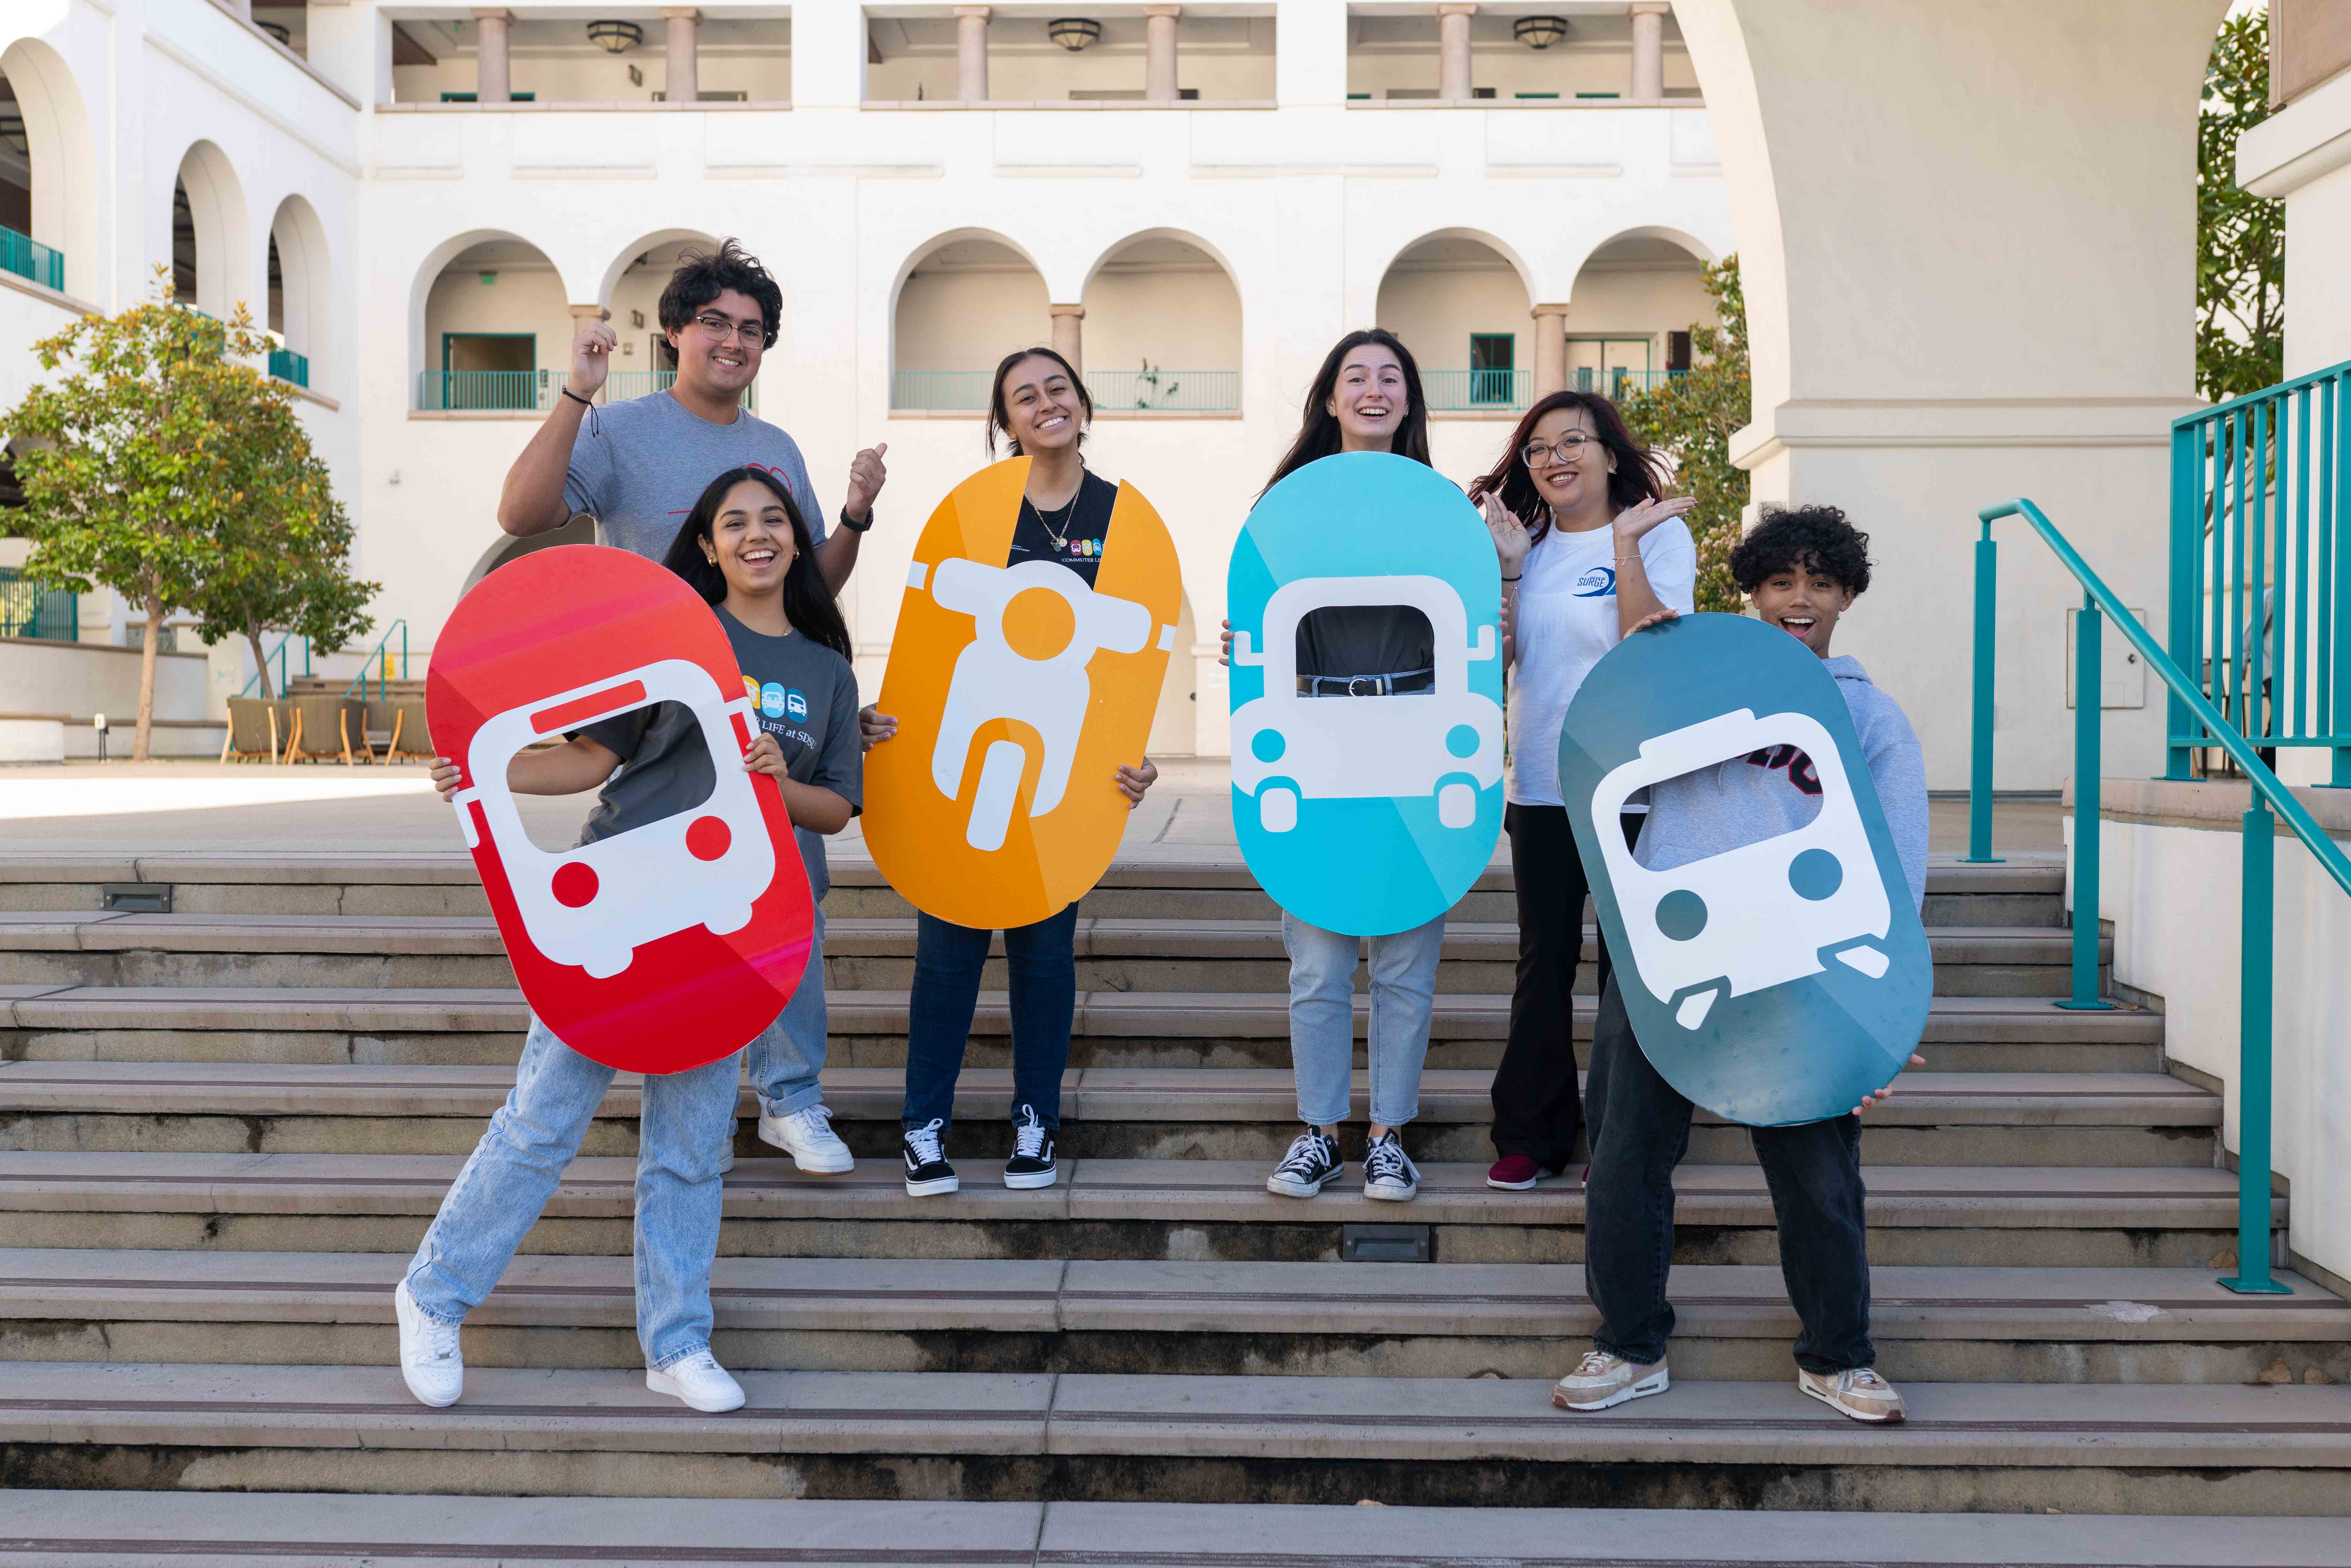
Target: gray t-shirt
[(806, 696), (638, 466)]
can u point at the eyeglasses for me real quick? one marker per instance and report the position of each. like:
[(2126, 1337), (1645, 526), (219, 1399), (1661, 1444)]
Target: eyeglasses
[(1566, 449), (719, 327)]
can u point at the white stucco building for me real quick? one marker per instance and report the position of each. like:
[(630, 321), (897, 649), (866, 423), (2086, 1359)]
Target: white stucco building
[(1197, 203)]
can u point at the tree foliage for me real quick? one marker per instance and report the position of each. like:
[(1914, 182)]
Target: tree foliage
[(160, 464), (1690, 418), (2240, 237)]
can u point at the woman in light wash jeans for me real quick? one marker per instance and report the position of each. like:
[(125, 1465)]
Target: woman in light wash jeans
[(1365, 398)]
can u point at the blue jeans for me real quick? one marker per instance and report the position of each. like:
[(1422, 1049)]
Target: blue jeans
[(1640, 1128), (1323, 1019), (1042, 963), (785, 1059), (684, 1134)]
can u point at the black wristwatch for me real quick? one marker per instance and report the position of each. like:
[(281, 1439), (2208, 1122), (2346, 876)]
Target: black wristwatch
[(855, 527)]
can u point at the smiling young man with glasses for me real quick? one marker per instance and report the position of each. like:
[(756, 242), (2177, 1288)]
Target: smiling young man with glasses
[(638, 467)]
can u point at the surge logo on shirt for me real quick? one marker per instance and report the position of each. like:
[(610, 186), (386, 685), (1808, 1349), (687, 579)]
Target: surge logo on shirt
[(1600, 582)]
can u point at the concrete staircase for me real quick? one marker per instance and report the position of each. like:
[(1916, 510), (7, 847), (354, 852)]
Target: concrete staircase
[(223, 1129)]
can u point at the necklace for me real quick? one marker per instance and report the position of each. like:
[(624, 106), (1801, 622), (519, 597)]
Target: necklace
[(1060, 536)]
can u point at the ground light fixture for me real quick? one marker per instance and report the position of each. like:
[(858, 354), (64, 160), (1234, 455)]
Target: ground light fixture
[(1538, 32), (615, 38), (1073, 33)]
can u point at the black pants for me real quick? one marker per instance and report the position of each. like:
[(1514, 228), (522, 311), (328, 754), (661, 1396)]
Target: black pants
[(1640, 1127), (1537, 1108)]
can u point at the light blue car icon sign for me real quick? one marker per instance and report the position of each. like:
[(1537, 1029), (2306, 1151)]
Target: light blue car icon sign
[(1288, 746)]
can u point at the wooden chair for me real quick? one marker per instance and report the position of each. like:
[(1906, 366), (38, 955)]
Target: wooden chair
[(410, 733), (328, 718), (255, 729)]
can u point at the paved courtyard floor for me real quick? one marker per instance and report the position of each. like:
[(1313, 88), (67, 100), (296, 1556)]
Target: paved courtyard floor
[(203, 806)]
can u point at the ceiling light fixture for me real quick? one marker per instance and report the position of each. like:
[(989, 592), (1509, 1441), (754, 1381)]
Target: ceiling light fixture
[(1538, 32), (615, 38), (1073, 33)]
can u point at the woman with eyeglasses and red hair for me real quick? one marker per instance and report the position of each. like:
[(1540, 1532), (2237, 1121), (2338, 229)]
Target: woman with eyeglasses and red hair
[(1606, 552)]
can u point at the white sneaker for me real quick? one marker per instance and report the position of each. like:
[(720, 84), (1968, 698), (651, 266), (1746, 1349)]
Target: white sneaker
[(698, 1380), (430, 1362), (1601, 1381), (808, 1136)]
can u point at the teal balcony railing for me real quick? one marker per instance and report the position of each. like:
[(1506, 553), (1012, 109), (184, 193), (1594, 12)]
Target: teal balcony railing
[(534, 390), (29, 609), (2269, 800), (2261, 570), (1145, 390), (1461, 392), (288, 366), (29, 257)]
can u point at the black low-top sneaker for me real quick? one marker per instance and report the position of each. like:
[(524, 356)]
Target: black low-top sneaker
[(1032, 1163), (927, 1171), (1314, 1159), (1388, 1171)]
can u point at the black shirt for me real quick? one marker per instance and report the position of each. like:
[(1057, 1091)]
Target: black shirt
[(1364, 640), (1082, 528)]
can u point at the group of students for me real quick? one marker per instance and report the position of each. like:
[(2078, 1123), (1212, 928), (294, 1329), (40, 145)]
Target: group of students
[(1590, 550)]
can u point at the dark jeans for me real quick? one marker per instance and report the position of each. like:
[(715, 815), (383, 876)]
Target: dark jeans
[(1640, 1127), (1044, 971), (1537, 1108)]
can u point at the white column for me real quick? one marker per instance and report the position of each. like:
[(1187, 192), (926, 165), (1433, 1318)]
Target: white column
[(1453, 49), (1551, 348), (1649, 48), (1310, 51), (493, 80), (1068, 334), (1159, 52), (971, 53), (684, 83)]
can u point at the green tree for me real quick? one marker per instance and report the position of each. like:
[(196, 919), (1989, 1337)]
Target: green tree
[(157, 460), (1690, 419), (2240, 237)]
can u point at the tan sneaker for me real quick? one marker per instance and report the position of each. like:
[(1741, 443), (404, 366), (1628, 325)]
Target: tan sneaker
[(1600, 1380), (1859, 1393)]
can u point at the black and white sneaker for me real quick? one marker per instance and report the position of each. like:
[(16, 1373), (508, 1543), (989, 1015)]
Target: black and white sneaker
[(1314, 1159), (1032, 1163), (927, 1171), (1388, 1171)]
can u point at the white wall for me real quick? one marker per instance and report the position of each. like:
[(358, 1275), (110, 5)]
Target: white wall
[(1435, 306), (1166, 302), (967, 307), (89, 678)]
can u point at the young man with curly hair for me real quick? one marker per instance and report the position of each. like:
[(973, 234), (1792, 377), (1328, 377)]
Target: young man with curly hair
[(1801, 569)]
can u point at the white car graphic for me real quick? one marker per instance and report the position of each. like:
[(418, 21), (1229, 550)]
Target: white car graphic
[(1446, 741), (1759, 915), (593, 906), (993, 681)]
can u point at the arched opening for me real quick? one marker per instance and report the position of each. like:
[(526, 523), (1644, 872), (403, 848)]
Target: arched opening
[(301, 294), (1630, 311), (1162, 329), (1461, 306), (1175, 727), (964, 305), (48, 178), (212, 263), (496, 329)]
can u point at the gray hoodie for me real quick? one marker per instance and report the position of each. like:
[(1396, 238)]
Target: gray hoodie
[(1767, 793)]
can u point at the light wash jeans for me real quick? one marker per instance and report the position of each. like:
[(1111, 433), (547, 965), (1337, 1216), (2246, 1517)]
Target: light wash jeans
[(785, 1059), (685, 1130), (1323, 1018)]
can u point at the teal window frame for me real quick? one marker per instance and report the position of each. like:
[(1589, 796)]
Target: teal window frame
[(530, 338), (1491, 384), (1579, 95), (475, 98), (1538, 95)]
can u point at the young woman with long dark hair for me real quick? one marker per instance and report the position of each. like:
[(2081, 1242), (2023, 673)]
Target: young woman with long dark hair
[(1599, 550), (1038, 405), (746, 547)]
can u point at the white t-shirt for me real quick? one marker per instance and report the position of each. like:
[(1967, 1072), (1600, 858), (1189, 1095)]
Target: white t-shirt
[(1566, 621)]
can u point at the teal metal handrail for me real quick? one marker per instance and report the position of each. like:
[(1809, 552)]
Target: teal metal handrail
[(2258, 828), (2260, 580), (288, 366), (255, 679), (29, 257), (374, 661)]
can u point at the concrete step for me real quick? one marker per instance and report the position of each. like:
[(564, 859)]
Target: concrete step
[(1918, 1215), (454, 1027), (1982, 1325), (862, 953), (1936, 1118), (2255, 1451), (1149, 881), (332, 1530)]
